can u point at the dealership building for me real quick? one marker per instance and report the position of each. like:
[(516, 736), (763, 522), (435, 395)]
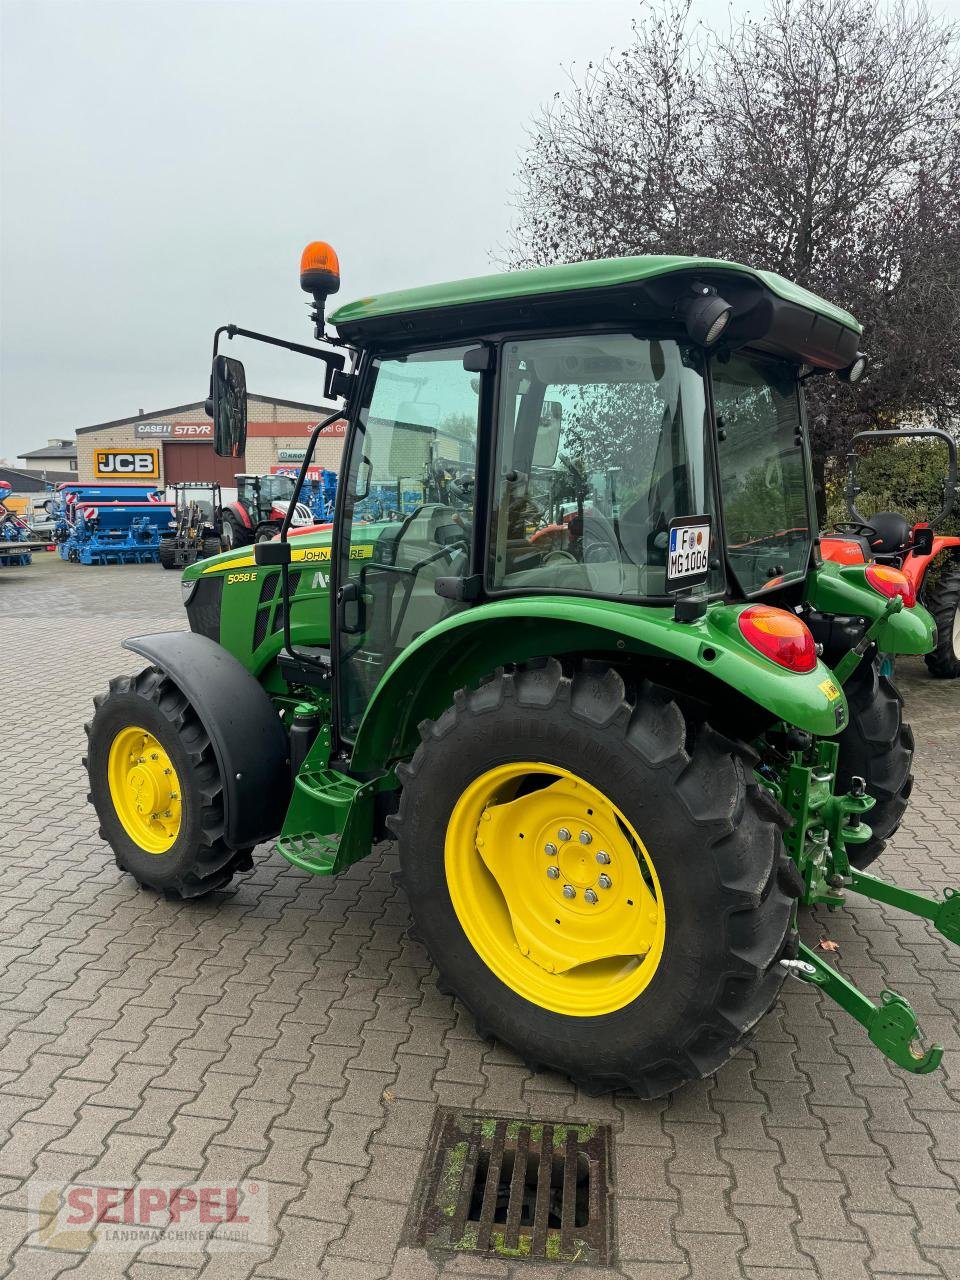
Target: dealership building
[(177, 444)]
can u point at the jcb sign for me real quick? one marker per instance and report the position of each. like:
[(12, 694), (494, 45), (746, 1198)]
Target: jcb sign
[(126, 464)]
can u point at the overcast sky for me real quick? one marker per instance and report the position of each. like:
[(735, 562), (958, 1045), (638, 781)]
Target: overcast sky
[(165, 162)]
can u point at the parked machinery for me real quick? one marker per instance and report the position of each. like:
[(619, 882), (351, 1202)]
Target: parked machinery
[(889, 538), (258, 513), (17, 542), (109, 524), (196, 530)]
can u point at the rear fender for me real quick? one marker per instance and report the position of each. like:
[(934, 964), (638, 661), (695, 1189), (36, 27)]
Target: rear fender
[(248, 738), (843, 590), (915, 567), (459, 651)]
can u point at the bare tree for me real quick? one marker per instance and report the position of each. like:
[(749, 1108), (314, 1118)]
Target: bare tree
[(820, 140)]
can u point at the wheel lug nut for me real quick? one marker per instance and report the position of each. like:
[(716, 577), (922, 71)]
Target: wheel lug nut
[(569, 891), (550, 849), (586, 837), (605, 882), (563, 834), (553, 873), (603, 858), (590, 896)]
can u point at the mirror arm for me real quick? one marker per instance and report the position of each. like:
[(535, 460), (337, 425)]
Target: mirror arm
[(284, 528), (334, 361)]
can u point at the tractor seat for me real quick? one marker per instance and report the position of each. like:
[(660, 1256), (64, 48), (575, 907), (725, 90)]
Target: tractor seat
[(893, 533)]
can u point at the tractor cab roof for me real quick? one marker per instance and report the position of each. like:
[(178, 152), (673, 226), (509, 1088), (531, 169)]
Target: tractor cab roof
[(769, 312)]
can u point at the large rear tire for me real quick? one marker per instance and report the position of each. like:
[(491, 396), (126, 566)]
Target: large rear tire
[(944, 603), (156, 788), (877, 745), (235, 534), (681, 958)]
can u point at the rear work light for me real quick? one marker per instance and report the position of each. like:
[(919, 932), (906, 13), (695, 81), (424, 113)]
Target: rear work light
[(780, 636), (891, 582)]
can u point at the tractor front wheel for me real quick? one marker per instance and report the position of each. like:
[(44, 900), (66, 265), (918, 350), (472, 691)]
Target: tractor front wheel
[(944, 603), (156, 788), (603, 884)]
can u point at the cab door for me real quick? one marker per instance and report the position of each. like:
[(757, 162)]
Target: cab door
[(408, 513)]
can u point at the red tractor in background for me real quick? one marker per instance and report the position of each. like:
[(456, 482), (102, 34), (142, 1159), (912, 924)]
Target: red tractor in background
[(889, 539), (258, 513)]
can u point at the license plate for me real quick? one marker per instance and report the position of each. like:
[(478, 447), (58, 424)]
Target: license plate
[(688, 551)]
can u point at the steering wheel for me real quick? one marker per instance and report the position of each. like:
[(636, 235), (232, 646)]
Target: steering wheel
[(858, 527), (559, 556)]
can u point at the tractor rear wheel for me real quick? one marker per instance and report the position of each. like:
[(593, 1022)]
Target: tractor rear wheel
[(944, 603), (235, 534), (603, 884), (156, 788), (210, 547), (877, 745)]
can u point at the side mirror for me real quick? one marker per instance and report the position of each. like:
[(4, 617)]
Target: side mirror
[(228, 395), (548, 437), (923, 541), (364, 476)]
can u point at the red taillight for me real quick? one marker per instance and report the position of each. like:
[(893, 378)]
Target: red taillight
[(780, 636), (891, 582)]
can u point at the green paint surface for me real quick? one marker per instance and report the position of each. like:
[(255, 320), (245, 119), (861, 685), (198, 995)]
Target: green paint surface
[(569, 277)]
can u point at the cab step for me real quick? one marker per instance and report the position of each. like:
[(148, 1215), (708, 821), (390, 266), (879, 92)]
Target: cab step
[(311, 852), (329, 821)]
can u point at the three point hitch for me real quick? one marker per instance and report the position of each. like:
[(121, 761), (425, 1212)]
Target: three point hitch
[(824, 825)]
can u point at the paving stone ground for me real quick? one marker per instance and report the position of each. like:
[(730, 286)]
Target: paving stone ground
[(289, 1030)]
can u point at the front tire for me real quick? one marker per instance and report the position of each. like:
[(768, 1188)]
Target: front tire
[(877, 745), (944, 604), (156, 788), (167, 554), (689, 835)]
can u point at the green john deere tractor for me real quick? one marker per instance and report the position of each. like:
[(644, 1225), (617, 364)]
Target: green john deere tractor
[(582, 659)]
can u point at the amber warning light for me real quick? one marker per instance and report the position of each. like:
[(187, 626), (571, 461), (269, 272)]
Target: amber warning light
[(319, 270)]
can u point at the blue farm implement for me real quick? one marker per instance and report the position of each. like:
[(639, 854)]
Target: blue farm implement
[(17, 542), (110, 524)]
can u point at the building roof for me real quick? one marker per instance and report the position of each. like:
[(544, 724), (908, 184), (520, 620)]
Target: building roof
[(66, 450), (198, 404), (30, 481), (569, 278)]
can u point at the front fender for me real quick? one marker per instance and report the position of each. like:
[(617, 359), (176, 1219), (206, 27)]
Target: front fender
[(458, 651), (844, 590), (248, 738)]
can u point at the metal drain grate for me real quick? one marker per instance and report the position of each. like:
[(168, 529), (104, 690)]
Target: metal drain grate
[(515, 1188)]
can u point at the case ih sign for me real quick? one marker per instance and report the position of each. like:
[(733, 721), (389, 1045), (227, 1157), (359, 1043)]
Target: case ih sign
[(126, 464), (181, 431)]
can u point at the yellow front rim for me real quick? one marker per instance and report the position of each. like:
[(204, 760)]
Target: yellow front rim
[(145, 789), (554, 889)]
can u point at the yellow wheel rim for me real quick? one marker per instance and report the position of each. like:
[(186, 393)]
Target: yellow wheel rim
[(145, 789), (554, 889)]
